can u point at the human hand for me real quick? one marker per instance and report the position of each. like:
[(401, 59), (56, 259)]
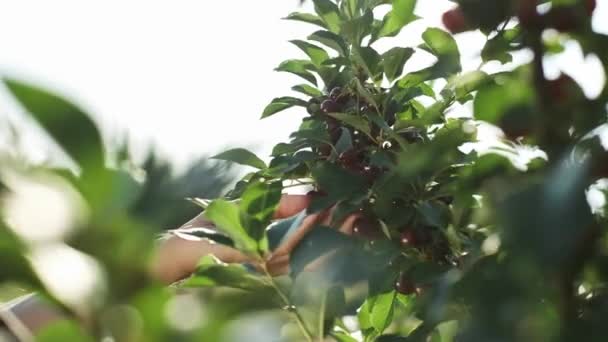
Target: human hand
[(179, 254)]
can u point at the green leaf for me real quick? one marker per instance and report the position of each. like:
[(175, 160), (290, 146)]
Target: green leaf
[(307, 90), (358, 28), (227, 217), (62, 330), (351, 8), (497, 49), (355, 121), (299, 68), (435, 214), (338, 182), (211, 272), (365, 94), (468, 82), (316, 54), (281, 103), (556, 205), (343, 337), (414, 78), (311, 130), (241, 156), (371, 4), (260, 200), (442, 45), (401, 15), (284, 148), (307, 18), (381, 313), (345, 142), (13, 261), (330, 40), (513, 98), (67, 124), (394, 60), (332, 253), (370, 60), (329, 13)]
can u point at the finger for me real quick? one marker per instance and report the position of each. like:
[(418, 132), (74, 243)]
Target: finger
[(292, 241), (278, 265), (291, 205), (327, 219), (348, 225), (177, 258)]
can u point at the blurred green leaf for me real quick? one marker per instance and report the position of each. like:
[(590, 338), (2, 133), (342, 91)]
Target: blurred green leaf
[(469, 82), (67, 124), (328, 246), (63, 330), (212, 272), (512, 99), (243, 157), (442, 45)]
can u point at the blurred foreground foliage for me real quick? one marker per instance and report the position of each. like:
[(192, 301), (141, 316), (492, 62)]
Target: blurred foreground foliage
[(460, 239)]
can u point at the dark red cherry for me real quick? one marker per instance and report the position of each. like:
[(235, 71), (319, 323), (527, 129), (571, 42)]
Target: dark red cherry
[(405, 285), (335, 93), (455, 21), (367, 228)]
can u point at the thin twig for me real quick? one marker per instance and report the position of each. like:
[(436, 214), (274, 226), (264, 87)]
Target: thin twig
[(292, 308)]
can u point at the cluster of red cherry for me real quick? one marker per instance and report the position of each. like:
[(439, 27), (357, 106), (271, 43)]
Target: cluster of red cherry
[(562, 18)]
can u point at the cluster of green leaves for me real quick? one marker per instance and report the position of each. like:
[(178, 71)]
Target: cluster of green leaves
[(465, 246), (456, 246), (125, 214)]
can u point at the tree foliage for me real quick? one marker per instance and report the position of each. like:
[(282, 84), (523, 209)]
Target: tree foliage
[(454, 243)]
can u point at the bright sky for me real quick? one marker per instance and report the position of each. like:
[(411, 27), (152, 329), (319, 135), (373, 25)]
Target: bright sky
[(189, 76)]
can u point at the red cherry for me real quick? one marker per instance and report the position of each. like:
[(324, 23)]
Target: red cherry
[(405, 285), (367, 229), (330, 106), (416, 237), (350, 160), (324, 150), (455, 21), (335, 93), (408, 237), (371, 173)]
